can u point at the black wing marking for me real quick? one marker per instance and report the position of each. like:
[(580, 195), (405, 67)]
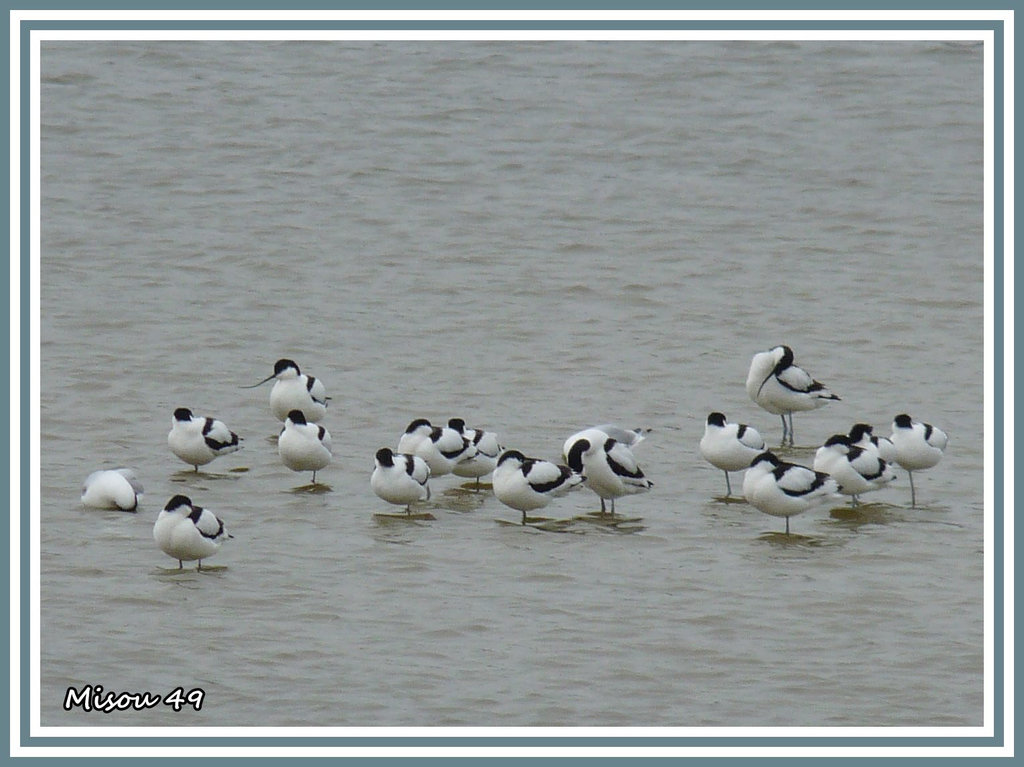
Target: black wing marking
[(205, 523)]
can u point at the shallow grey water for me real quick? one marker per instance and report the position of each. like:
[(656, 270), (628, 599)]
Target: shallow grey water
[(535, 237)]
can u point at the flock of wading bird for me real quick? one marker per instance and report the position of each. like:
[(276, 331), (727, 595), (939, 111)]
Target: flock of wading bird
[(600, 458)]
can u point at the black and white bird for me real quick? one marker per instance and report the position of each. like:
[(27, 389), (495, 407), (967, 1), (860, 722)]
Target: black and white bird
[(442, 447), (862, 435), (304, 446), (526, 484), (918, 446), (729, 446), (487, 448), (112, 489), (857, 469), (188, 533), (610, 469), (628, 437), (781, 387), (294, 390), (783, 489), (197, 440), (400, 478)]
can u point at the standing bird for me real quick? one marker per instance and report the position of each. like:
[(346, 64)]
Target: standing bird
[(295, 390), (861, 435), (918, 446), (729, 446), (186, 532), (112, 489), (610, 469), (783, 489), (782, 388), (197, 440), (526, 484), (442, 447), (400, 478), (856, 469), (304, 446), (487, 451)]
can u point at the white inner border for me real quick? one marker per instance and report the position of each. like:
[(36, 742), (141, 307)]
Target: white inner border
[(37, 36)]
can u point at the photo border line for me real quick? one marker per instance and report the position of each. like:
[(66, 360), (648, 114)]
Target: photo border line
[(27, 26)]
